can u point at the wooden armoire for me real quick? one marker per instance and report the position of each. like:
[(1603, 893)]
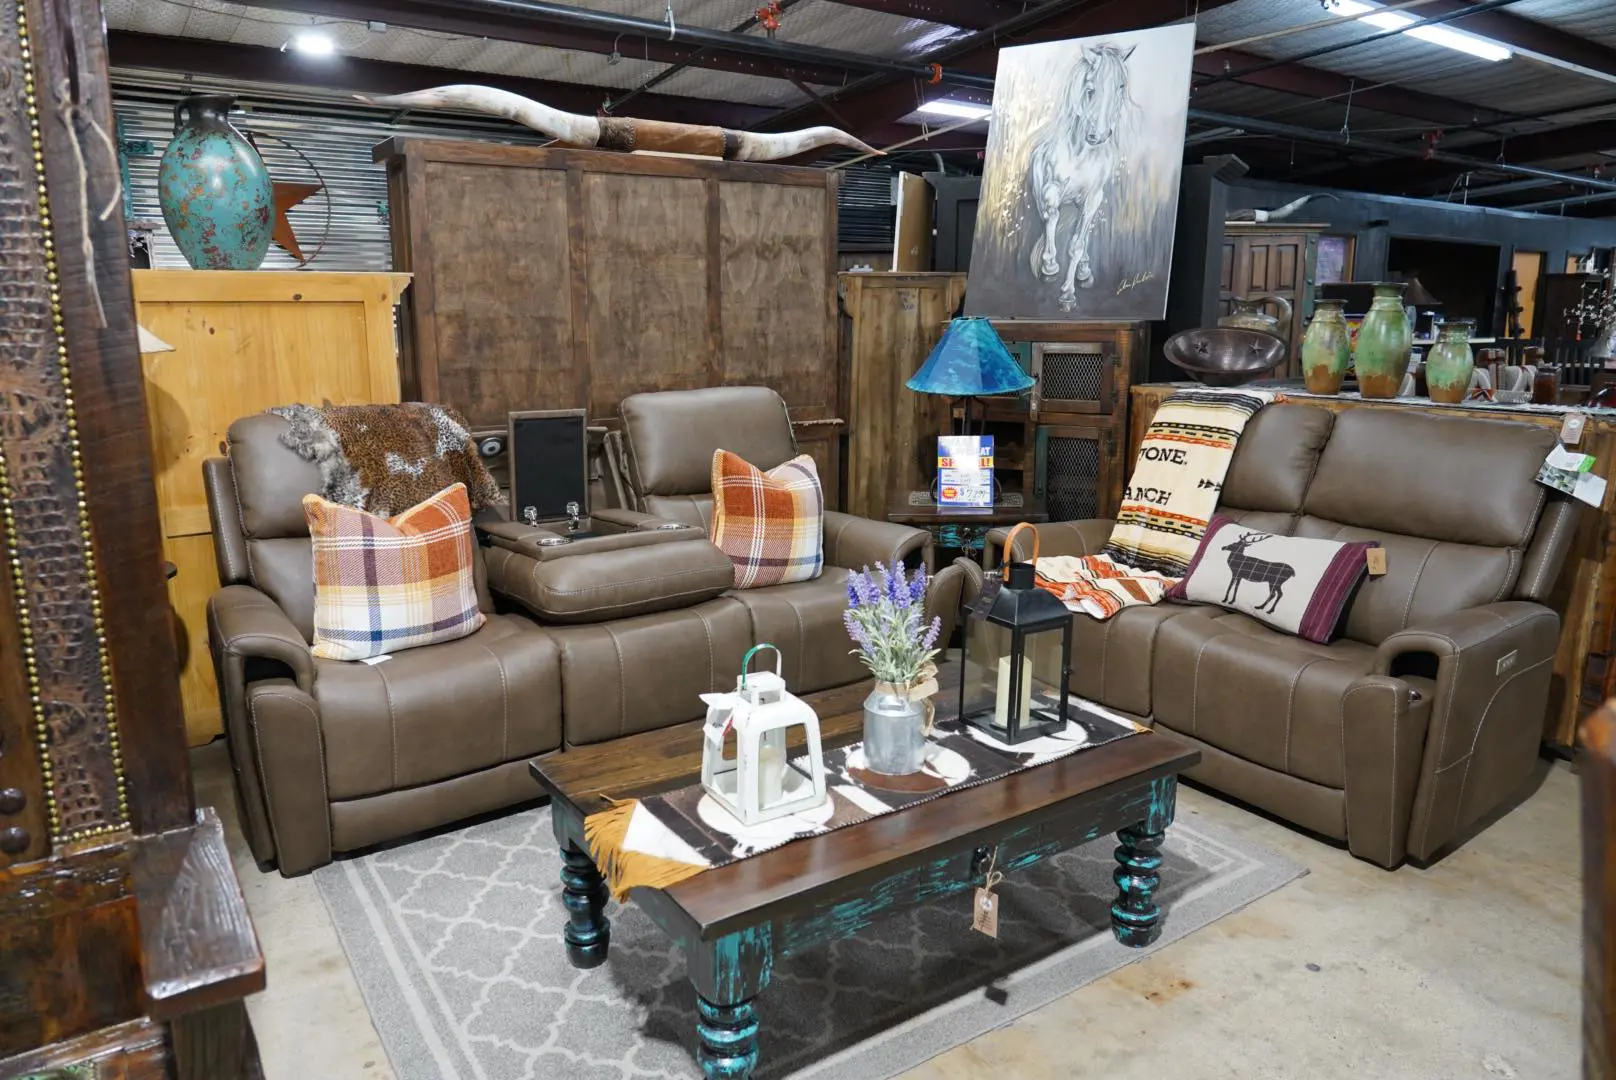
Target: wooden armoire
[(125, 946), (1278, 259)]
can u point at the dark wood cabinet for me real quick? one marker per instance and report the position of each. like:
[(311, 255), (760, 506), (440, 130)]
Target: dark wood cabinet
[(1064, 440), (1278, 260)]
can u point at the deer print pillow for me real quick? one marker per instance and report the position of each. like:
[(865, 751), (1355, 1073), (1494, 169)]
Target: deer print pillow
[(1291, 583)]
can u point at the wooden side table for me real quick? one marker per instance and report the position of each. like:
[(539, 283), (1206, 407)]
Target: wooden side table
[(963, 529)]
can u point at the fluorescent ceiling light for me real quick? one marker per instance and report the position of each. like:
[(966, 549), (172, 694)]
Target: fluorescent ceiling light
[(311, 43), (962, 109), (1457, 40)]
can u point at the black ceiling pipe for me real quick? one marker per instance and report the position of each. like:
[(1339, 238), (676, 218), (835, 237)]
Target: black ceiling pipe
[(1336, 138), (542, 11), (1573, 200)]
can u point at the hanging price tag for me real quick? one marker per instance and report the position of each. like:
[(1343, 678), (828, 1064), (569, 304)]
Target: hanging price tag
[(1377, 561), (984, 601), (1571, 429), (985, 913), (985, 904)]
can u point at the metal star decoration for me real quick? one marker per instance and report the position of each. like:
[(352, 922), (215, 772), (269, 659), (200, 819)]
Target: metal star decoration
[(288, 195)]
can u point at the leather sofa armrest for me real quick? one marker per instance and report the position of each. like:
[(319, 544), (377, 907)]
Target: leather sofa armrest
[(854, 542), (620, 519), (244, 622), (1491, 667), (971, 581), (1054, 538)]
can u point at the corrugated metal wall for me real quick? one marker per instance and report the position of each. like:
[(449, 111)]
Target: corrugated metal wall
[(335, 137)]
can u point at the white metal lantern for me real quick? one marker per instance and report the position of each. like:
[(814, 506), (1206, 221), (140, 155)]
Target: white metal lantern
[(759, 783)]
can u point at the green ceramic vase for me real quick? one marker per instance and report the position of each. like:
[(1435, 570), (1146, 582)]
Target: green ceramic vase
[(1326, 348), (1385, 341), (1449, 365)]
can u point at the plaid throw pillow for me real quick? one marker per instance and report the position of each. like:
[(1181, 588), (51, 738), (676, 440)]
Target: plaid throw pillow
[(770, 524), (384, 584)]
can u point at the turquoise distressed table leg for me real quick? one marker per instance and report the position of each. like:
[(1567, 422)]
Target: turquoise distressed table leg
[(1135, 916), (583, 894), (728, 974)]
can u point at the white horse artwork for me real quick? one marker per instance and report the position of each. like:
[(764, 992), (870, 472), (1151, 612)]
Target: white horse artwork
[(1074, 161)]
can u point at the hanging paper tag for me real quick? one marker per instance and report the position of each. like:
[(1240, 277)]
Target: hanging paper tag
[(1377, 561), (984, 601), (985, 913), (1571, 429)]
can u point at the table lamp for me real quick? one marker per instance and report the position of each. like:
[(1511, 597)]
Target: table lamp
[(969, 361)]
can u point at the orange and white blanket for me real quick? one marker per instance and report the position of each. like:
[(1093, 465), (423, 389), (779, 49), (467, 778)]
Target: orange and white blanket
[(1170, 497)]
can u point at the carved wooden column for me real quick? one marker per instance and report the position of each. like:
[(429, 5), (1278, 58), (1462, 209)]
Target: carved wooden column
[(123, 929)]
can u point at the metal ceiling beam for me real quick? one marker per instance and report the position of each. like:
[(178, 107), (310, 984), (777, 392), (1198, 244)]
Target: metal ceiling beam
[(1573, 200), (1334, 138), (1563, 142), (876, 101), (1534, 39), (965, 14), (559, 25), (345, 75), (252, 63), (1319, 84)]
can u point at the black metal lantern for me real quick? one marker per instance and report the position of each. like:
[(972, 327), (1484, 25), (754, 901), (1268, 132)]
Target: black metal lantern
[(1017, 661)]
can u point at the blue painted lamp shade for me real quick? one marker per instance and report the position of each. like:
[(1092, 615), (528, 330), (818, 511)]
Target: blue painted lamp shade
[(970, 360)]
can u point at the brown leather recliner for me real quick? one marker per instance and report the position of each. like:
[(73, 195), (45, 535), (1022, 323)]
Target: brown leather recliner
[(1426, 714), (333, 755), (667, 458), (584, 643)]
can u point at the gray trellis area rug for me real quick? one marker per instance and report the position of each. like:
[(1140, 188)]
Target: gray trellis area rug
[(456, 944)]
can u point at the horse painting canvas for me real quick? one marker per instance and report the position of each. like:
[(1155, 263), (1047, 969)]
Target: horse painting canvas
[(1080, 183)]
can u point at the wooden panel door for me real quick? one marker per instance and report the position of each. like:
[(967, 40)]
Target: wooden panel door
[(470, 313), (1277, 263), (1076, 475), (243, 342)]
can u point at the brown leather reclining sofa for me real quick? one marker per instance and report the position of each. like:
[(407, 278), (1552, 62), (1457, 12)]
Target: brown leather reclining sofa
[(583, 643), (1426, 714)]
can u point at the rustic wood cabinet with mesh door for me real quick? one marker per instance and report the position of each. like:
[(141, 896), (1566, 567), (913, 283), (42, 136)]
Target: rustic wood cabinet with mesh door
[(1064, 439)]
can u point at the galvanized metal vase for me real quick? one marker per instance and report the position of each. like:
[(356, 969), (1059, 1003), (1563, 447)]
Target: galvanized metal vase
[(1450, 366), (1385, 341), (215, 192), (894, 733)]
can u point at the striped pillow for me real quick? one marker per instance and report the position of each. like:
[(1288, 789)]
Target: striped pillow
[(770, 524), (384, 584)]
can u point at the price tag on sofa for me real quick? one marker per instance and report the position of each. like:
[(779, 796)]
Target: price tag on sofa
[(1377, 561), (1571, 428)]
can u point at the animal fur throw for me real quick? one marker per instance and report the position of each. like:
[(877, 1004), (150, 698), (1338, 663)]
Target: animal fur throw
[(387, 458)]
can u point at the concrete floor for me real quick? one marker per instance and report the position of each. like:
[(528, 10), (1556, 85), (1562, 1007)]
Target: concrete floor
[(1470, 968)]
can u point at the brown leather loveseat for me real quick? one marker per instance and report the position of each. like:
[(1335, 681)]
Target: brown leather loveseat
[(582, 645), (1426, 714)]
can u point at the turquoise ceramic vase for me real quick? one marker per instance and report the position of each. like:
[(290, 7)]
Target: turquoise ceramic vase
[(213, 187), (1385, 341), (1449, 365), (1326, 348)]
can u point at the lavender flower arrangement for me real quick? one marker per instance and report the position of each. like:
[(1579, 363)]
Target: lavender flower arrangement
[(886, 619)]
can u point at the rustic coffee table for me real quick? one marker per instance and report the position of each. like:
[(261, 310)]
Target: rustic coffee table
[(735, 922)]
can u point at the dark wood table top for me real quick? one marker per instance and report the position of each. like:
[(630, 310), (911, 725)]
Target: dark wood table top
[(902, 512), (784, 878)]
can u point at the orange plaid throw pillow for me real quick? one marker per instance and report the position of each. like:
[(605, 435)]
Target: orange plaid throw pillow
[(384, 584), (770, 524)]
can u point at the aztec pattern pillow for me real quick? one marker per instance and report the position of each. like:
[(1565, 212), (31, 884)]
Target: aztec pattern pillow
[(1294, 584), (384, 584), (770, 524)]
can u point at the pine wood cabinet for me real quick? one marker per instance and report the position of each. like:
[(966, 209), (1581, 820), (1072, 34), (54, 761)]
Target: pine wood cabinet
[(243, 342)]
